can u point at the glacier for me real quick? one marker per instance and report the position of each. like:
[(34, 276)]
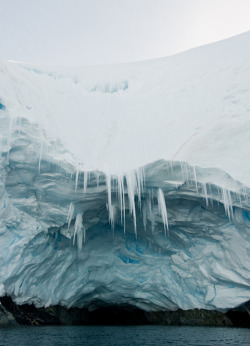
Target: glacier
[(128, 184)]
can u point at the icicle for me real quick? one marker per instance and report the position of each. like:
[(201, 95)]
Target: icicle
[(140, 182), (131, 181), (79, 238), (185, 171), (162, 209), (138, 186), (204, 188), (113, 184), (76, 183), (210, 193), (195, 179), (85, 181), (121, 195), (227, 201), (108, 184), (182, 172), (112, 217), (40, 158), (70, 213), (110, 207), (124, 207), (78, 231), (150, 211)]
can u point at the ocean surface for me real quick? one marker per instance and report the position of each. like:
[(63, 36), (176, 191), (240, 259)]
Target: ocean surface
[(124, 335)]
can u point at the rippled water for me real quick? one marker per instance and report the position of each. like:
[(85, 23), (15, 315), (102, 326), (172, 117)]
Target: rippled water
[(124, 335)]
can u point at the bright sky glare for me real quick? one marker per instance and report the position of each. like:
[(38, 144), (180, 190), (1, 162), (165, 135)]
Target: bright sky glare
[(90, 32)]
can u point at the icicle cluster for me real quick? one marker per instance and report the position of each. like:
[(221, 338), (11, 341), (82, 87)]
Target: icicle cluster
[(131, 185), (128, 195)]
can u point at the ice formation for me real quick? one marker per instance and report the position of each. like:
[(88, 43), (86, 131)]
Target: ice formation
[(128, 184)]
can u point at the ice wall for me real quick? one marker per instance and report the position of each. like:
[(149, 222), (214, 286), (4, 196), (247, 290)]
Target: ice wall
[(164, 236), (128, 184)]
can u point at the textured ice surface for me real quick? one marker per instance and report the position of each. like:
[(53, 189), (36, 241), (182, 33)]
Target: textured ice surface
[(85, 218)]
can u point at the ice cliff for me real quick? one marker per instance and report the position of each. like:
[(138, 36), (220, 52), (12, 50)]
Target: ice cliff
[(128, 184)]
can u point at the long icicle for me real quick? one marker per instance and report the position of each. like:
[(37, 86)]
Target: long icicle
[(131, 181), (110, 207), (162, 209), (70, 213)]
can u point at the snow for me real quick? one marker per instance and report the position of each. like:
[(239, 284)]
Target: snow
[(185, 107), (128, 184)]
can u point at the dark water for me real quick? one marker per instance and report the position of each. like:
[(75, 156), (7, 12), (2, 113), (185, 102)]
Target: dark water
[(131, 335)]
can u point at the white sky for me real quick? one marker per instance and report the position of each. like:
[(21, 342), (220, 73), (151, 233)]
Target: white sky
[(84, 32)]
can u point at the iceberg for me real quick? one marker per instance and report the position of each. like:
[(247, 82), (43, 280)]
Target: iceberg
[(128, 184)]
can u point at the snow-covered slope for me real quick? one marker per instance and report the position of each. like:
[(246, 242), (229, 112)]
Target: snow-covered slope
[(128, 184)]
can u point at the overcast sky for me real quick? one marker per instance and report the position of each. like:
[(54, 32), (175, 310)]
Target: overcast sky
[(84, 32)]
